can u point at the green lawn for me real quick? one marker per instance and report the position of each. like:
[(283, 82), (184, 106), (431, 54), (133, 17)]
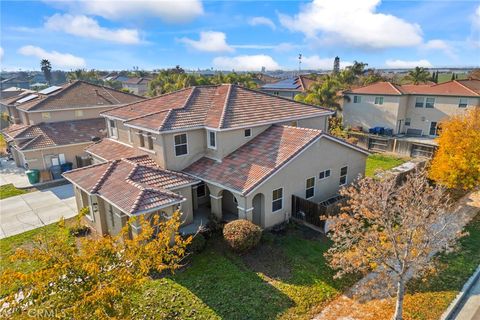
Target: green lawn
[(444, 77), (8, 190), (285, 278), (383, 162)]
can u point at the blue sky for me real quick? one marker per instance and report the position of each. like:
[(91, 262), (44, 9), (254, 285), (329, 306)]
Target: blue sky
[(240, 35)]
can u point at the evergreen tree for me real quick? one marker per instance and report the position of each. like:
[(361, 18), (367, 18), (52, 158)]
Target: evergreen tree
[(453, 76), (46, 68), (436, 77), (336, 65)]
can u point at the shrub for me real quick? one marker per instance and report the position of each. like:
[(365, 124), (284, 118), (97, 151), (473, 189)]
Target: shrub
[(352, 140), (79, 229), (198, 244), (242, 235)]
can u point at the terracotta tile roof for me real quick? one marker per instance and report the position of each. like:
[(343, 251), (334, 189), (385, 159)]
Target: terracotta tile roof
[(108, 149), (131, 186), (222, 106), (13, 130), (463, 88), (60, 133), (254, 162), (78, 94), (8, 100)]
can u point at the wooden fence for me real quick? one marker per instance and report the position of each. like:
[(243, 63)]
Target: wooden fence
[(310, 212)]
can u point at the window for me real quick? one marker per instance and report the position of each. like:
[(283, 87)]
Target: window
[(343, 176), (112, 218), (324, 174), (149, 141), (433, 128), (113, 128), (378, 100), (129, 135), (463, 103), (293, 123), (408, 121), (248, 132), (430, 102), (46, 115), (78, 113), (201, 190), (310, 187), (357, 99), (419, 102), (141, 139), (181, 144), (277, 199), (276, 93), (212, 137)]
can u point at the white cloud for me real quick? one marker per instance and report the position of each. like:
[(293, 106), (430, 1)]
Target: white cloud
[(176, 11), (246, 63), (262, 21), (354, 23), (315, 62), (440, 45), (87, 27), (1, 53), (403, 64), (58, 60), (210, 41)]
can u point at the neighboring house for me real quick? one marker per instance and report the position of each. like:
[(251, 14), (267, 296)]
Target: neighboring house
[(414, 110), (225, 149), (288, 88), (17, 82), (58, 121), (137, 85)]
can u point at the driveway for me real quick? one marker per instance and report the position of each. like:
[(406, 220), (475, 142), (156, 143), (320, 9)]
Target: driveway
[(36, 209), (10, 173)]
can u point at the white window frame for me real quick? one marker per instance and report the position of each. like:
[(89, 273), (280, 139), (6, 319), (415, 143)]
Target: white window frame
[(463, 105), (346, 177), (381, 99), (245, 132), (149, 140), (175, 145), (325, 174), (417, 101), (433, 104), (129, 135), (281, 207), (209, 140), (308, 188), (111, 129), (357, 99), (46, 115)]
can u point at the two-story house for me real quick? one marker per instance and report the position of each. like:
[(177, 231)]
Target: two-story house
[(225, 149), (290, 87), (415, 110), (54, 125)]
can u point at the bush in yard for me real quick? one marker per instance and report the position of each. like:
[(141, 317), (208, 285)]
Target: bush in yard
[(198, 244), (242, 235)]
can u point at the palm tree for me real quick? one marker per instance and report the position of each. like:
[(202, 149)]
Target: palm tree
[(323, 94), (46, 68), (418, 75)]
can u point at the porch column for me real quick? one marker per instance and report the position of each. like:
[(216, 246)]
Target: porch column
[(216, 205), (245, 213)]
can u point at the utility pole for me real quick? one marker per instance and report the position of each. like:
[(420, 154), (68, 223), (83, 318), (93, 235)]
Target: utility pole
[(299, 63)]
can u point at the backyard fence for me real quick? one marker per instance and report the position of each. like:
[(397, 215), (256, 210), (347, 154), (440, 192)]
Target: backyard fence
[(310, 212)]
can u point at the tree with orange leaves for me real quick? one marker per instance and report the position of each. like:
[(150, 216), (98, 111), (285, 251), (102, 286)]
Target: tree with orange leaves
[(456, 163), (93, 279)]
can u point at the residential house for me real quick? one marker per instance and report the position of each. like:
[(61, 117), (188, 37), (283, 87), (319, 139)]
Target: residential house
[(137, 85), (58, 122), (288, 88), (224, 149), (414, 110)]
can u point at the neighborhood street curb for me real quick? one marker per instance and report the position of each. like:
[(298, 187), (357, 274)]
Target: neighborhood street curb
[(457, 303)]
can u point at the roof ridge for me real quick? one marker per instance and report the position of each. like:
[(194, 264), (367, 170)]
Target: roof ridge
[(85, 168), (33, 139), (102, 178), (395, 87), (170, 111), (299, 128), (464, 86), (225, 106)]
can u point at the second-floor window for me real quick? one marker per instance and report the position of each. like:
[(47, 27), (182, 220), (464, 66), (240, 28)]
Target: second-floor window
[(181, 147), (112, 127), (429, 102), (310, 187), (248, 133), (419, 102), (141, 139), (149, 141), (212, 140), (378, 100), (324, 174), (463, 103), (343, 176), (357, 99)]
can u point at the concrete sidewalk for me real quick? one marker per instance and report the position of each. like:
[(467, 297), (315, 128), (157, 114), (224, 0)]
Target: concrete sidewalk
[(11, 174), (33, 210), (470, 309)]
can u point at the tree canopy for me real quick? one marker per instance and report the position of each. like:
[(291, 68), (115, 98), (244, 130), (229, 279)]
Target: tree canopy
[(46, 68), (456, 163), (418, 75)]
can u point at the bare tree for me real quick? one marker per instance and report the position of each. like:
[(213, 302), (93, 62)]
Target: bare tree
[(392, 231)]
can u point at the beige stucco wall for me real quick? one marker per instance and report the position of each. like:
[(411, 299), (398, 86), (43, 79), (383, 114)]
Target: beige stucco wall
[(35, 158), (323, 155), (197, 143), (66, 115), (444, 107), (368, 115)]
